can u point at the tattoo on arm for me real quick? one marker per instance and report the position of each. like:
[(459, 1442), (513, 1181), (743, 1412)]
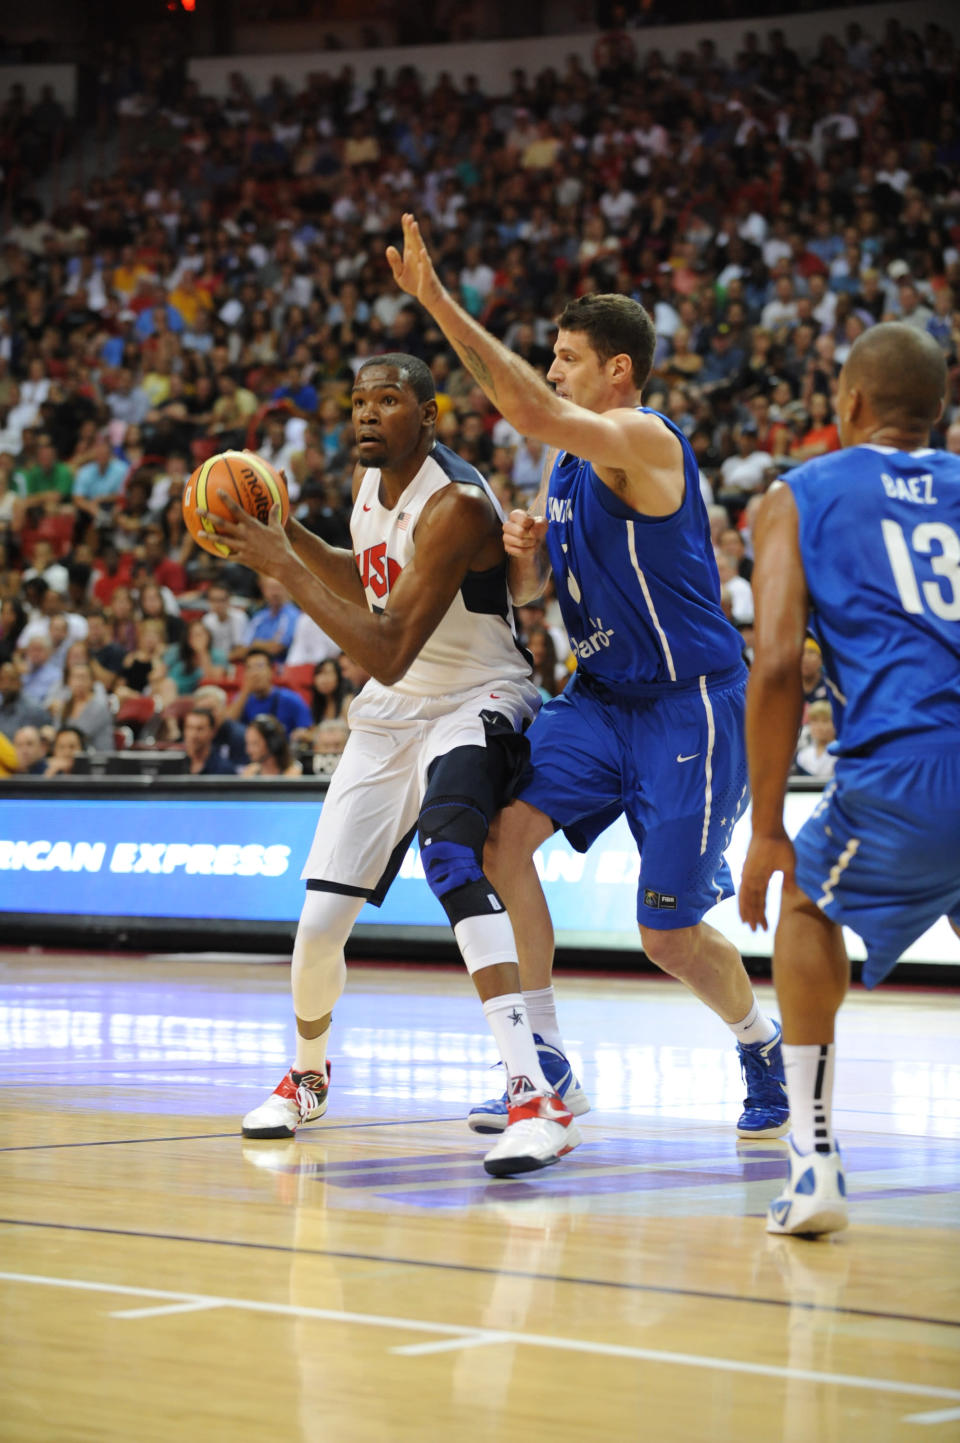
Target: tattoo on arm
[(477, 368)]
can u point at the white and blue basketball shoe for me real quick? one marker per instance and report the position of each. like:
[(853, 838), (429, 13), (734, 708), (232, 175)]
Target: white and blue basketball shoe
[(492, 1116), (766, 1112), (814, 1200)]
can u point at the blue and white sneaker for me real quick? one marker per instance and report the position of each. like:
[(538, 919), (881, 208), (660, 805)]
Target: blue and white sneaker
[(491, 1116), (814, 1200), (766, 1112)]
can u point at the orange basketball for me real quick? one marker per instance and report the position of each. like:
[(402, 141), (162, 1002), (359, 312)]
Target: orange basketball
[(246, 479)]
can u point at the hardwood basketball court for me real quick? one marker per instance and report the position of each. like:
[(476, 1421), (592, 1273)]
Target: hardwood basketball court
[(368, 1282)]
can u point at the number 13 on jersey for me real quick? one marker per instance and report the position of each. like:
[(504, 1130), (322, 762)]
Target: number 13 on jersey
[(942, 544)]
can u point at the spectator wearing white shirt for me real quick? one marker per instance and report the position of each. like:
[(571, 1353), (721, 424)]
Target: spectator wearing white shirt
[(226, 623), (777, 245), (823, 301), (51, 605), (910, 309), (310, 644), (276, 448), (736, 595), (745, 471), (46, 565), (651, 141), (892, 172), (813, 759), (782, 310), (527, 469), (36, 388), (170, 482), (503, 434), (617, 205), (19, 415)]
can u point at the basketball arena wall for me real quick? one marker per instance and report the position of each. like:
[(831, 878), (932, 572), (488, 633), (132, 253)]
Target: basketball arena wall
[(160, 862)]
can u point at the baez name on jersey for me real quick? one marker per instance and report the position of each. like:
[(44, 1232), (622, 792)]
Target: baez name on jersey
[(908, 488)]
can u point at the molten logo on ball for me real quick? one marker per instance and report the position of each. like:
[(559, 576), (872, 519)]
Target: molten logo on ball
[(258, 494)]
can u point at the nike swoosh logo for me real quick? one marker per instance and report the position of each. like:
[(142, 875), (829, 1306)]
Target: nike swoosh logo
[(366, 508), (494, 696), (687, 759)]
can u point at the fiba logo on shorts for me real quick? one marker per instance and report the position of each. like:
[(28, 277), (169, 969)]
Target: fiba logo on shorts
[(259, 495), (659, 901)]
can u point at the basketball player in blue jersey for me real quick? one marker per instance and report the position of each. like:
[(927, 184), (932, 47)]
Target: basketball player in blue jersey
[(651, 724), (436, 736), (866, 544)]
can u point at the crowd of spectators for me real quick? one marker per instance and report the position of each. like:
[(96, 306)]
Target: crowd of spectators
[(221, 288)]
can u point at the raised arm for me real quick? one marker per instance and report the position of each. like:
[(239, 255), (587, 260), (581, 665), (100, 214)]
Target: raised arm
[(612, 440), (774, 694), (458, 531)]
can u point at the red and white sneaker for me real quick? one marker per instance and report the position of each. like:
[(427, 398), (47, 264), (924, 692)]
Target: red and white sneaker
[(301, 1097), (539, 1130)]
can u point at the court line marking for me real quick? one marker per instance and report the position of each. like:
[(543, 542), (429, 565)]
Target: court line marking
[(417, 1350), (945, 1415), (208, 1136), (200, 1306), (481, 1271), (473, 1337)]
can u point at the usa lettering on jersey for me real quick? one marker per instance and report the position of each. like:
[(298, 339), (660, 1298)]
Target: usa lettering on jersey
[(378, 571)]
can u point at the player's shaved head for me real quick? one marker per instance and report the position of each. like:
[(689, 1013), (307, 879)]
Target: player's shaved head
[(901, 373)]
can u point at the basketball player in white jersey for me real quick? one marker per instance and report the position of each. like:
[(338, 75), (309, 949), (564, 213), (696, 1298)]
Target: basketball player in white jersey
[(436, 736)]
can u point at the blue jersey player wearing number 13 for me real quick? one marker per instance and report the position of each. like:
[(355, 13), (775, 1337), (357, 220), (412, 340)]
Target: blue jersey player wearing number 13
[(865, 544)]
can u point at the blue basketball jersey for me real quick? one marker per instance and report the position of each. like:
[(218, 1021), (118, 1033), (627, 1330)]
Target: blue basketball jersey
[(880, 541), (639, 595)]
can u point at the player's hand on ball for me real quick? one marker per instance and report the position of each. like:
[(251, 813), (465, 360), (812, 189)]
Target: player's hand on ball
[(413, 271), (523, 533), (261, 547)]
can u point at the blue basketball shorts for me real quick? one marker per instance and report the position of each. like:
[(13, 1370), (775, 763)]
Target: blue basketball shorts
[(674, 765), (881, 853)]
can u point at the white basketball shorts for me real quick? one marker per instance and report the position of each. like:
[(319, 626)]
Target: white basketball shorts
[(374, 798)]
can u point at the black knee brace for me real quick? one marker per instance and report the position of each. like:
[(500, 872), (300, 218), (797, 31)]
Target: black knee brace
[(452, 834)]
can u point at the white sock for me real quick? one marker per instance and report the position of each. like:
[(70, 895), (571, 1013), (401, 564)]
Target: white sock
[(755, 1027), (809, 1072), (542, 1012), (510, 1026), (312, 1054)]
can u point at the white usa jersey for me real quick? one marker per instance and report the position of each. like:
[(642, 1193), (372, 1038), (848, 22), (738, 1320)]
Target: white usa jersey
[(475, 644)]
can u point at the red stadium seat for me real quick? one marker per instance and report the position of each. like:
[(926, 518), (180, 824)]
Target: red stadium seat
[(58, 530), (298, 679), (177, 710), (136, 709), (202, 449)]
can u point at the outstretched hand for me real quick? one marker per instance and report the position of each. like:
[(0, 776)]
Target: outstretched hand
[(262, 547), (413, 271), (765, 856)]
